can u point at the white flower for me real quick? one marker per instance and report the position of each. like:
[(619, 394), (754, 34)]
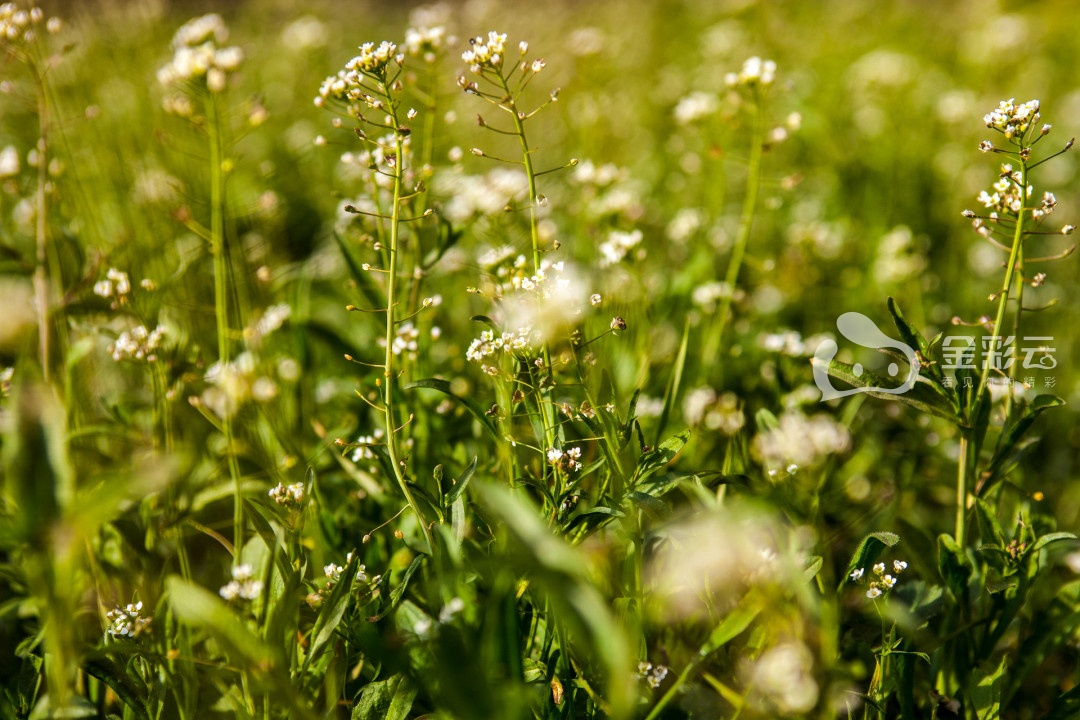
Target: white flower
[(873, 592), (126, 621), (856, 575), (879, 568), (888, 581), (9, 162), (595, 299), (899, 566)]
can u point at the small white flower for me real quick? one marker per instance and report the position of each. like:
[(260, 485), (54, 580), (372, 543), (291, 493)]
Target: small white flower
[(879, 568), (888, 581), (873, 592), (856, 575), (595, 299), (899, 566)]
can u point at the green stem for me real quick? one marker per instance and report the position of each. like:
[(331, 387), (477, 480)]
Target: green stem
[(41, 278), (221, 307), (546, 411), (746, 222), (1010, 271), (388, 363), (1009, 404), (961, 488)]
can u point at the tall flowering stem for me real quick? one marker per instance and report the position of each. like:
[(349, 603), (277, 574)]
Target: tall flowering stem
[(371, 80), (1010, 209), (503, 89), (198, 71)]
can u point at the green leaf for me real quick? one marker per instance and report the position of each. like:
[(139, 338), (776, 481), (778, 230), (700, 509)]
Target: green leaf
[(1066, 706), (399, 592), (459, 486), (811, 571), (331, 612), (921, 396), (766, 421), (911, 336), (1009, 446), (198, 607), (954, 565), (987, 693), (867, 553), (657, 458), (1048, 539), (989, 527), (671, 392), (730, 627), (477, 412)]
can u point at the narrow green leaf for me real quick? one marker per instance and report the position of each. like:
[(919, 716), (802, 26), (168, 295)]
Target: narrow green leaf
[(867, 553), (331, 612), (399, 591), (459, 486), (920, 396), (477, 412)]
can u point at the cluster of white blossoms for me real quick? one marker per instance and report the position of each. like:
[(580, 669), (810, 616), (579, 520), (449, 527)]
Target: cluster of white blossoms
[(364, 444), (426, 42), (801, 440), (348, 84), (617, 245), (489, 344), (288, 495), (197, 56), (234, 383), (405, 340), (18, 24), (1013, 119), (695, 106), (242, 585), (373, 58), (884, 583), (487, 52), (653, 675), (568, 460), (333, 572), (126, 621), (137, 344), (1007, 197), (755, 73)]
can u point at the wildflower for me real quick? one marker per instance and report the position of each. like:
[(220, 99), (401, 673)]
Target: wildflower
[(126, 621), (485, 52), (755, 73), (291, 495), (888, 581), (618, 244), (617, 323), (879, 569), (333, 572), (874, 592), (694, 107), (242, 585), (196, 56), (9, 162), (857, 575), (425, 42), (1012, 119), (595, 299), (137, 344), (899, 566)]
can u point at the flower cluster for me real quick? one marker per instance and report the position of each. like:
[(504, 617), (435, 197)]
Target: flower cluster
[(653, 675), (804, 441), (290, 495), (695, 106), (404, 340), (884, 583), (196, 56), (242, 585), (616, 247), (137, 344), (425, 42), (568, 460), (126, 621), (373, 59), (333, 572), (490, 344), (487, 52), (17, 24), (1013, 119), (364, 444), (755, 73), (1007, 197)]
